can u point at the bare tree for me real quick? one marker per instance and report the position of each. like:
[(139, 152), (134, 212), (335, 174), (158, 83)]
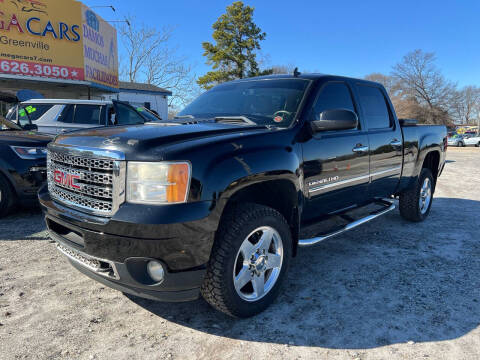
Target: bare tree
[(405, 107), (390, 83), (166, 70), (151, 58), (283, 69), (421, 80), (466, 105)]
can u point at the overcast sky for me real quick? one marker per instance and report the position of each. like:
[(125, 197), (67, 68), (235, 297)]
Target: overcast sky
[(351, 38)]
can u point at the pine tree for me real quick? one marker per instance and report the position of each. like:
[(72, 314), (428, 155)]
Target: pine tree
[(233, 56)]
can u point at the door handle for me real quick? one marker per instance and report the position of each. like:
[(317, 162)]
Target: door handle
[(360, 148), (396, 142)]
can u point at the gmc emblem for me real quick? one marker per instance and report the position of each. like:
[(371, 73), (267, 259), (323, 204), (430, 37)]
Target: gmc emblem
[(65, 179)]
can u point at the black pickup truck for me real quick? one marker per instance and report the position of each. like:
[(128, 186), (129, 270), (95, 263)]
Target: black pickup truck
[(218, 200)]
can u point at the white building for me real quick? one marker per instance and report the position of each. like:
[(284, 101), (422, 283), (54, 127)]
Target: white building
[(150, 96)]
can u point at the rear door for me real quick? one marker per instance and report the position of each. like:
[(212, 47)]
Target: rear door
[(336, 163), (80, 116), (385, 138)]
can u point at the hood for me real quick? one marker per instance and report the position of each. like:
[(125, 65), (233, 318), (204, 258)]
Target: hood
[(134, 139), (24, 138)]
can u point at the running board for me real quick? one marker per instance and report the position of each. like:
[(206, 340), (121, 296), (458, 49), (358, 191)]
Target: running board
[(388, 207)]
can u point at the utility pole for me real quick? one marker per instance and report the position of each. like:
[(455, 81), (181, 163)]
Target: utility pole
[(478, 123)]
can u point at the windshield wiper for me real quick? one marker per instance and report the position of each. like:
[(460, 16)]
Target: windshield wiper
[(185, 117), (234, 120)]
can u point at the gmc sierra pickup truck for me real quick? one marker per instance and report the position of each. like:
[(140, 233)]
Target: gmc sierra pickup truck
[(217, 201)]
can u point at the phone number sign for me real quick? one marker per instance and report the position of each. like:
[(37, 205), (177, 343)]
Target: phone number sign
[(44, 70)]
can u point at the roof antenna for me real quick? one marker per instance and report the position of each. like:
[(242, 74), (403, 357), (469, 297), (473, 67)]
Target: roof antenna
[(296, 72)]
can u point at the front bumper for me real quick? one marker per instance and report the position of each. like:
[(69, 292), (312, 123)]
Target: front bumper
[(27, 178), (180, 237)]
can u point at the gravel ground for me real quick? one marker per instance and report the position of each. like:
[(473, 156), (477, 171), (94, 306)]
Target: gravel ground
[(389, 289)]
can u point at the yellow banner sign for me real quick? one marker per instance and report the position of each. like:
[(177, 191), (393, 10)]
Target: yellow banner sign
[(100, 50), (60, 39)]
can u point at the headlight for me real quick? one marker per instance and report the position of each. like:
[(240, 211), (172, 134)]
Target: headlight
[(157, 183), (30, 153)]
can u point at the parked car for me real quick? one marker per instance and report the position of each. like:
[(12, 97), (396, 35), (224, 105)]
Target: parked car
[(54, 116), (23, 160), (218, 201), (471, 139), (456, 140)]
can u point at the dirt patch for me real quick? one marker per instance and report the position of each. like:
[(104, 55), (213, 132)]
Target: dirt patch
[(389, 289)]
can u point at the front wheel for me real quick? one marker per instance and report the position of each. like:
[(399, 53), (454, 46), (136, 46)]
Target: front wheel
[(415, 203), (249, 260)]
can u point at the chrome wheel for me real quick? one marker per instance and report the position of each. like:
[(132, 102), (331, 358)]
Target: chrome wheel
[(425, 195), (258, 263)]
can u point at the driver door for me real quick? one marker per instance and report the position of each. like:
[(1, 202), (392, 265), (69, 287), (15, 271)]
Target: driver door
[(336, 163)]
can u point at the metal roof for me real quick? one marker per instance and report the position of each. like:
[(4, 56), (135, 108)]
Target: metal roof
[(133, 86), (66, 101)]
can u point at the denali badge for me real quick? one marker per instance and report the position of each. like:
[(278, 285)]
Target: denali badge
[(323, 181), (65, 179)]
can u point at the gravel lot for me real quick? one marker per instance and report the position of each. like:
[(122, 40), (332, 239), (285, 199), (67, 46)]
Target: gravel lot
[(390, 289)]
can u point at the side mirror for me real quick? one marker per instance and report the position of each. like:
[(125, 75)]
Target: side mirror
[(30, 127), (337, 119)]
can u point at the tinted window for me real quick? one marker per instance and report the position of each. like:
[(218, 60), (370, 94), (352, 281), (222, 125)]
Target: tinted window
[(87, 114), (333, 96), (265, 102), (374, 107), (125, 115), (67, 114)]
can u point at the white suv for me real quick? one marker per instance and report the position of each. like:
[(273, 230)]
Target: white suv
[(472, 140), (55, 116)]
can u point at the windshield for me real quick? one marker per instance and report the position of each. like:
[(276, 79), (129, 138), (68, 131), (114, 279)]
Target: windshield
[(148, 114), (11, 113), (265, 102), (31, 112), (8, 125)]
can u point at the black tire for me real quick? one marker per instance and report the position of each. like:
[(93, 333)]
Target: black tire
[(461, 144), (218, 288), (477, 145), (7, 197), (409, 200)]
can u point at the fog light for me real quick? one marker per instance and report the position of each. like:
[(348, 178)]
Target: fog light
[(155, 270)]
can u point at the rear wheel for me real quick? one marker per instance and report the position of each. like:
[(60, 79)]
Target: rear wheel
[(6, 197), (415, 204), (460, 144), (249, 260)]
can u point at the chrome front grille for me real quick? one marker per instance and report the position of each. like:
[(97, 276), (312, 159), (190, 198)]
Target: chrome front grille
[(102, 164), (91, 180)]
